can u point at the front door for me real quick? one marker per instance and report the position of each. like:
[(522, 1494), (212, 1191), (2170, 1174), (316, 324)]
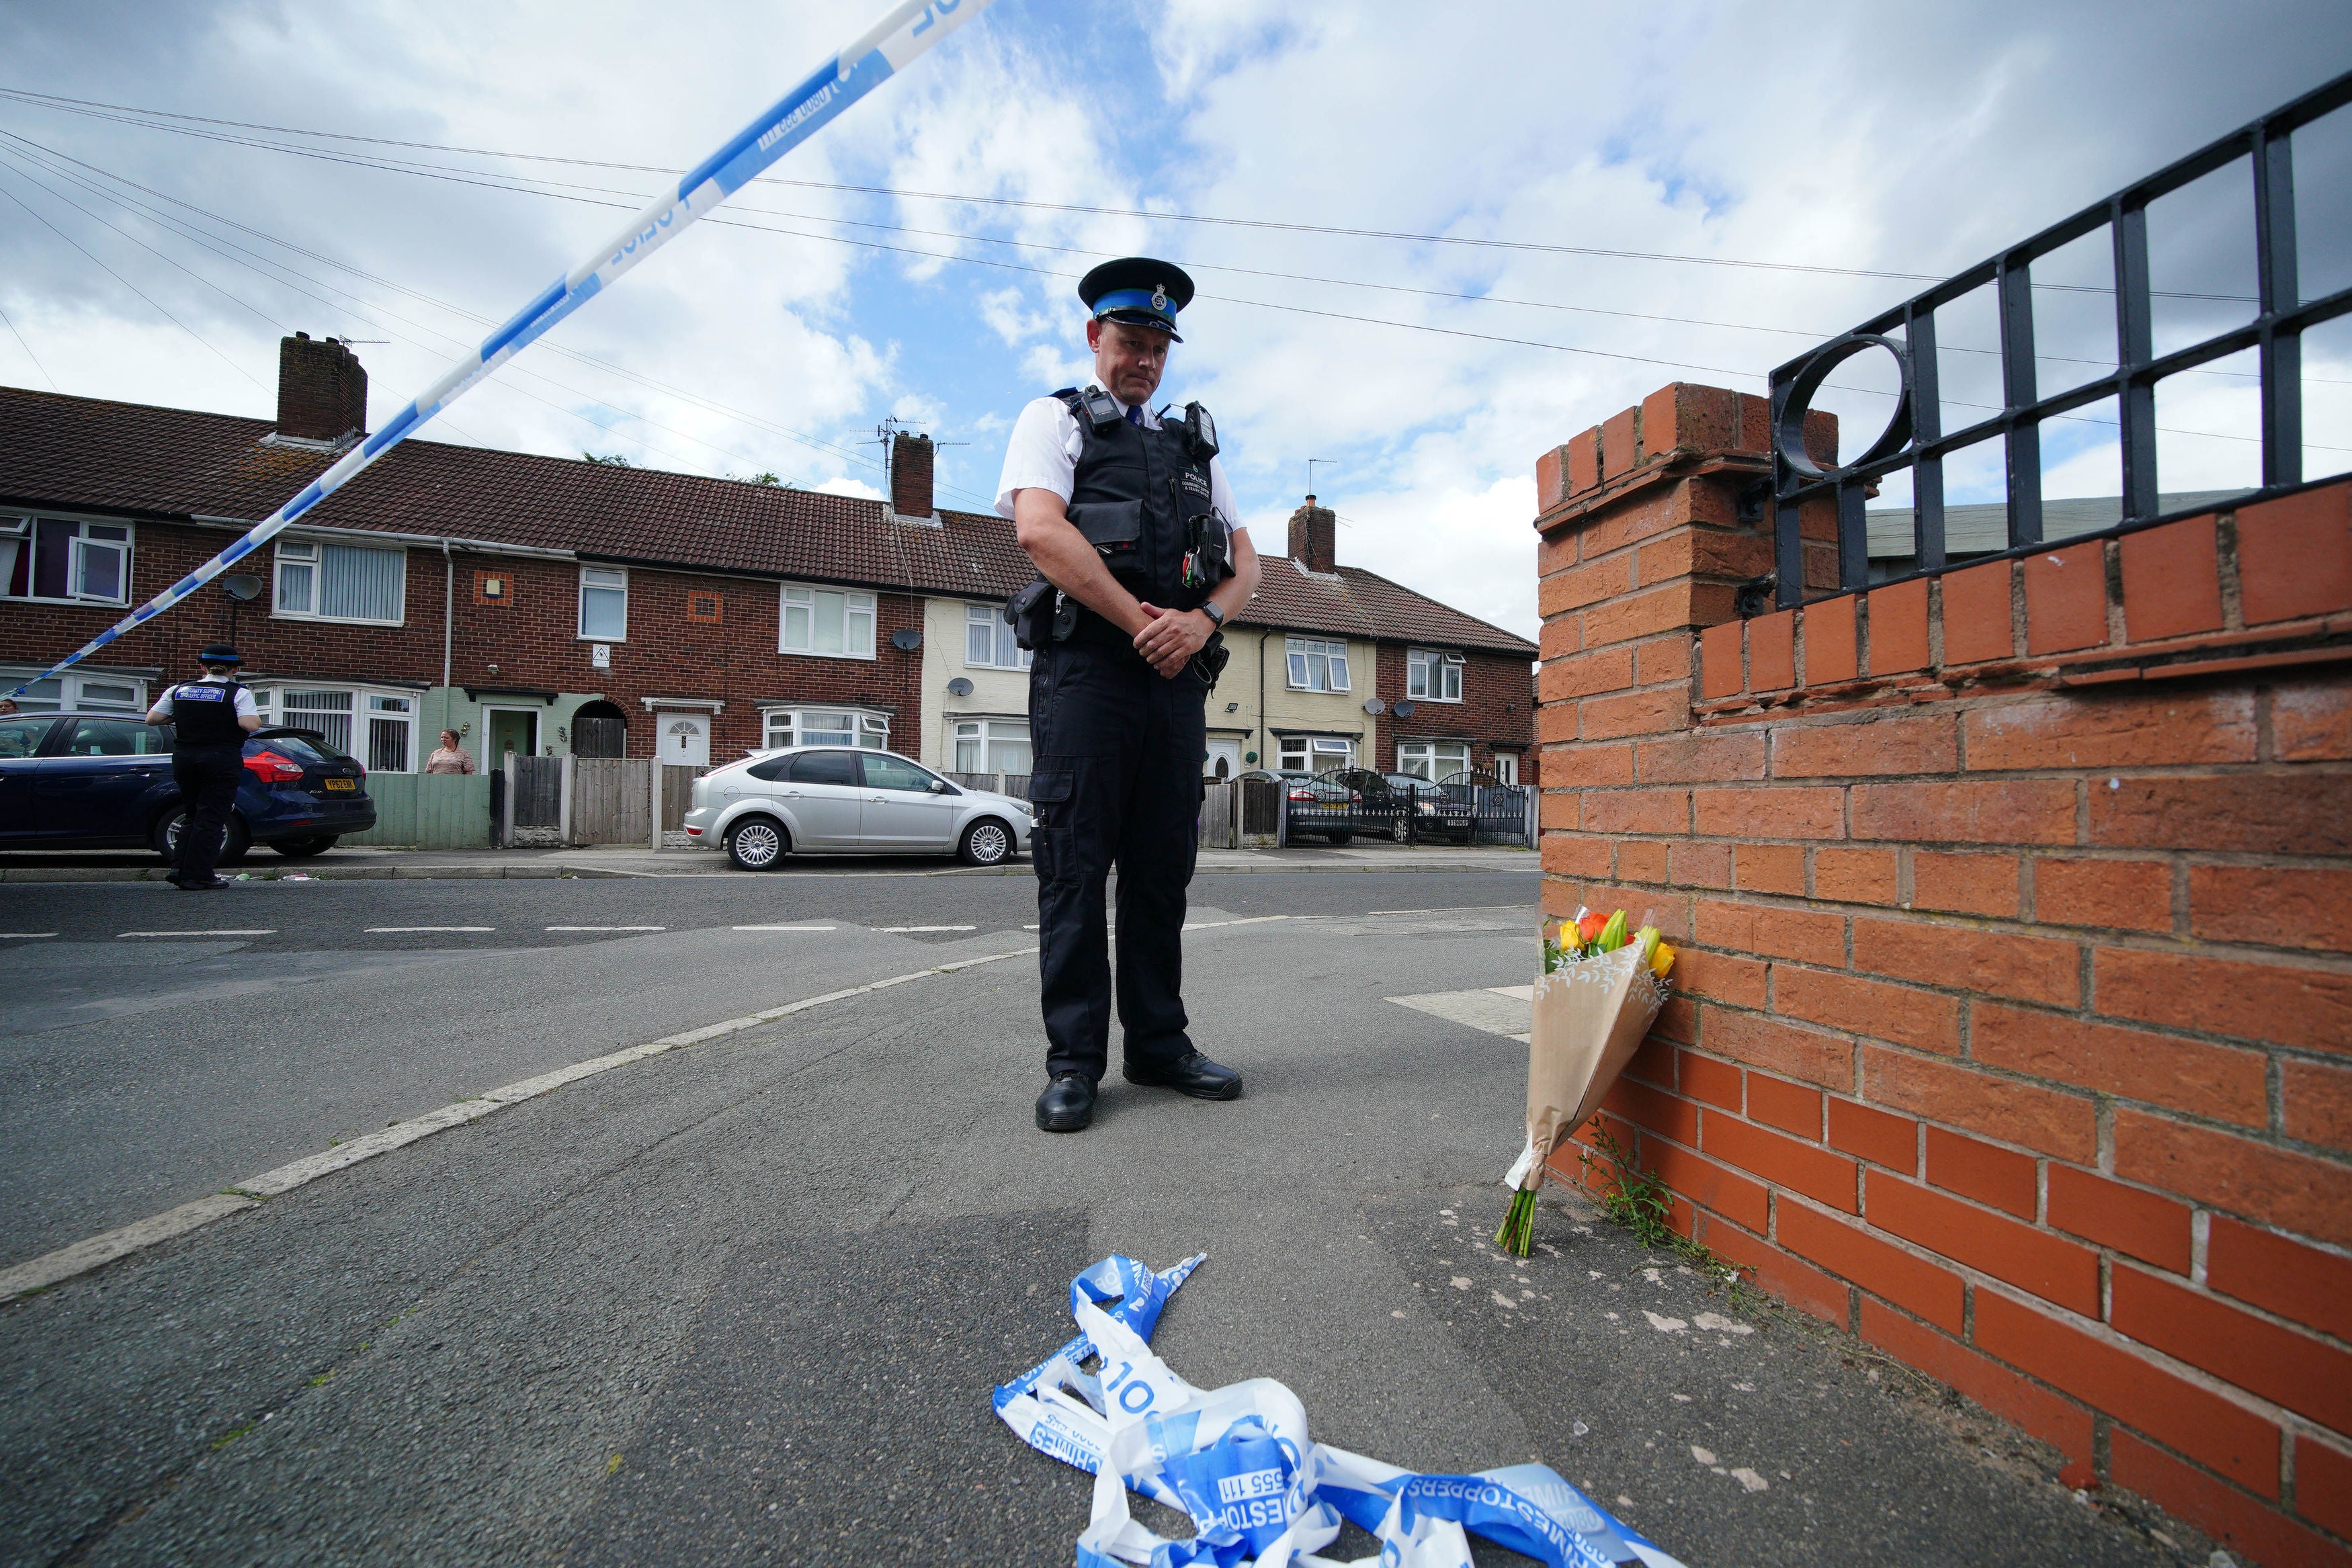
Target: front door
[(20, 764), (685, 738), (508, 730), (901, 813), (1223, 761)]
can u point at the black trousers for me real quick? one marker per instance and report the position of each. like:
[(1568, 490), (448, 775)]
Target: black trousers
[(1116, 780), (207, 778)]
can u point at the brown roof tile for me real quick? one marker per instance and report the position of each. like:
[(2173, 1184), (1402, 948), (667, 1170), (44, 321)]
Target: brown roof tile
[(85, 454)]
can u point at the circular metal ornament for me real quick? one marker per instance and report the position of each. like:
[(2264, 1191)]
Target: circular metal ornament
[(1789, 430)]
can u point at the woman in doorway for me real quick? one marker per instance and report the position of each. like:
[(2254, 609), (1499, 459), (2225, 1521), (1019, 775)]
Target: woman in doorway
[(451, 757)]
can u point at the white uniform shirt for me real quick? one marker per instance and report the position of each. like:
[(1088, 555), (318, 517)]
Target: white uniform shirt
[(244, 709), (1043, 455)]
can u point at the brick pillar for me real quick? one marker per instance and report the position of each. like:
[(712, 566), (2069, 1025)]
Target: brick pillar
[(1314, 537), (910, 475), (321, 388), (1642, 547)]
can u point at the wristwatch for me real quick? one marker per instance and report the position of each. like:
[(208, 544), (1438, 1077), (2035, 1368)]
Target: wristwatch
[(1216, 616)]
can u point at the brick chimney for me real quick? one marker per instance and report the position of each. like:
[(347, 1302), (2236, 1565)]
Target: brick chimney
[(321, 390), (1314, 539), (910, 475)]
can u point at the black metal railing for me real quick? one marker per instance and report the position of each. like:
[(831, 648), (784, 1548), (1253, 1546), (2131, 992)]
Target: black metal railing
[(1914, 438)]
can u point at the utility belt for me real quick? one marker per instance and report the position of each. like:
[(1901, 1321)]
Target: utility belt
[(1041, 615)]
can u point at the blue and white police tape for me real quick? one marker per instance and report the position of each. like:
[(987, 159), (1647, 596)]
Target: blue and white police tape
[(889, 47), (1261, 1493)]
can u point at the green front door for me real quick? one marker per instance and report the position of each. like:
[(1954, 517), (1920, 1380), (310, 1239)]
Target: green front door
[(511, 729)]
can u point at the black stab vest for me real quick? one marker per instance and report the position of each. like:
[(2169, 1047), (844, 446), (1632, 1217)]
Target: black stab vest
[(1132, 495), (203, 712)]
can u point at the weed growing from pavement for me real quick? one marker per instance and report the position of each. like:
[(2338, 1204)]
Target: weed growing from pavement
[(1641, 1201)]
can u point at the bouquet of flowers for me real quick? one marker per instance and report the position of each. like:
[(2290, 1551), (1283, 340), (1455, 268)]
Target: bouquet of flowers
[(1601, 988)]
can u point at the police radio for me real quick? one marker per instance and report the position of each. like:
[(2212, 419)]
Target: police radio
[(1199, 433)]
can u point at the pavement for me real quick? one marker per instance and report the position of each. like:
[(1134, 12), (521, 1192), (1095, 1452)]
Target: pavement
[(743, 1300), (365, 864)]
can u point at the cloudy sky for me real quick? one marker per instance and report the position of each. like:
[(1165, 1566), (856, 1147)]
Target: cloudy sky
[(1773, 164)]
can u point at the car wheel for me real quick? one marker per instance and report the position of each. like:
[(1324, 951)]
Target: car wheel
[(303, 849), (234, 843), (987, 842), (758, 843), (1403, 832)]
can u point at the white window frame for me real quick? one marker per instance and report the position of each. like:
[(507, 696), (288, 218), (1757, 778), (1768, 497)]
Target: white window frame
[(1304, 658), (1420, 758), (988, 734), (783, 726), (20, 539), (612, 579), (855, 602), (69, 693), (1316, 754), (310, 554), (991, 619), (1422, 664), (399, 708)]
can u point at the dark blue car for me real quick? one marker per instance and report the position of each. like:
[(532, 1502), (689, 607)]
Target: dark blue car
[(104, 781)]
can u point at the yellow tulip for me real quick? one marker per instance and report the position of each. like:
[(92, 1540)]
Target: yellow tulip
[(1661, 960)]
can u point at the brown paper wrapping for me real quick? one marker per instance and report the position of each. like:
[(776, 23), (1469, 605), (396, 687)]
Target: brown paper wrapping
[(1591, 1016)]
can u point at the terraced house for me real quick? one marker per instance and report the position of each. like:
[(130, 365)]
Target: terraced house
[(544, 606)]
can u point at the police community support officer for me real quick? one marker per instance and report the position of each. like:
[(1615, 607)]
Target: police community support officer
[(1129, 522), (210, 718)]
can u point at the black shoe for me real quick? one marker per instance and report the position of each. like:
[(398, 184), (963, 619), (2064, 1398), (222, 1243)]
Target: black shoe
[(1067, 1104), (1191, 1074), (213, 885)]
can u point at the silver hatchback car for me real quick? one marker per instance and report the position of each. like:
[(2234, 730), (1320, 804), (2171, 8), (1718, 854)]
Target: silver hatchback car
[(831, 799)]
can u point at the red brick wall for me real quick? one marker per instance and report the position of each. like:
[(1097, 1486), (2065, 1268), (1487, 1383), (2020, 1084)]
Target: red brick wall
[(2014, 1026), (1496, 709), (530, 635)]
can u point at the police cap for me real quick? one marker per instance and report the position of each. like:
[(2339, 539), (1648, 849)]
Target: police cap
[(218, 653), (1138, 291)]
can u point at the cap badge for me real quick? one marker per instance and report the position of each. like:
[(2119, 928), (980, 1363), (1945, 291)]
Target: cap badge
[(1159, 297)]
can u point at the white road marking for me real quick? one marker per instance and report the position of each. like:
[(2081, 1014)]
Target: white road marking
[(258, 931), (24, 936), (791, 928), (40, 1273), (1252, 920), (395, 930), (927, 928), (608, 928)]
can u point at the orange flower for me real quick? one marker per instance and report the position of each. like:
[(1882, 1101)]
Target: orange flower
[(1591, 925)]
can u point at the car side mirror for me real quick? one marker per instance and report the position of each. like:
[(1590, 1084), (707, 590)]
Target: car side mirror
[(938, 785)]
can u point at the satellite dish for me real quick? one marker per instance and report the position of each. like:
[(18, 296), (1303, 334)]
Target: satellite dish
[(1374, 705), (242, 585), (959, 687), (906, 639), (1405, 710)]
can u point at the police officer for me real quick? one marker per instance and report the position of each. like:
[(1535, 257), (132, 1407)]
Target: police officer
[(1130, 521), (210, 717)]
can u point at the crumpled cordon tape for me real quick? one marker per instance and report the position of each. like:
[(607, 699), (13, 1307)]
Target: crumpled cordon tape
[(1261, 1493)]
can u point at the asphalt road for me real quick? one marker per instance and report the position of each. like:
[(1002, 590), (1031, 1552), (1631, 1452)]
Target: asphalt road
[(744, 1301)]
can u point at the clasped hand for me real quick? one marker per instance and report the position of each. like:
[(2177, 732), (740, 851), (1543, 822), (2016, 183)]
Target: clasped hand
[(1172, 637)]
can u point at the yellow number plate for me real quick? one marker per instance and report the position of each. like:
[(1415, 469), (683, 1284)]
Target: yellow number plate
[(342, 784)]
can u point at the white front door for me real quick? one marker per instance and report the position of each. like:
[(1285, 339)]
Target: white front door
[(685, 739), (1223, 761)]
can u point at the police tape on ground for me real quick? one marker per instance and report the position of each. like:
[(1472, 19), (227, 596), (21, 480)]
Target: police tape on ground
[(1238, 1459)]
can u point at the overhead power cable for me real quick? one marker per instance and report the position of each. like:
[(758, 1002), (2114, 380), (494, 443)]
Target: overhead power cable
[(493, 183), (126, 283), (527, 185), (94, 107), (28, 351), (35, 150)]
